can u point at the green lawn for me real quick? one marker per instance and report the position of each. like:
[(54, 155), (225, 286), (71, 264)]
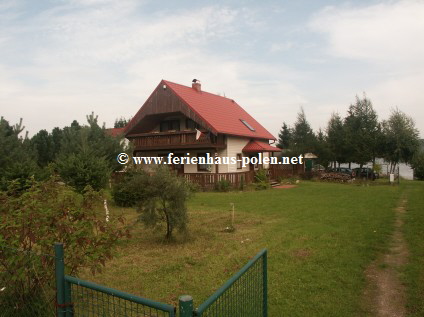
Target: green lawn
[(320, 237), (414, 234)]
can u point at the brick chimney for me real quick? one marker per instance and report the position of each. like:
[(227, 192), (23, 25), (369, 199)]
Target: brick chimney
[(195, 84)]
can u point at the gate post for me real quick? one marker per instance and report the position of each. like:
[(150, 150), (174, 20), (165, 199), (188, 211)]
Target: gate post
[(186, 306), (265, 283), (60, 279)]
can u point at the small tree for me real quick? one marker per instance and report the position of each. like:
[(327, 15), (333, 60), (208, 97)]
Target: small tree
[(164, 200)]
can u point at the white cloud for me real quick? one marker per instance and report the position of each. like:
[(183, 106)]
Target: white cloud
[(383, 33)]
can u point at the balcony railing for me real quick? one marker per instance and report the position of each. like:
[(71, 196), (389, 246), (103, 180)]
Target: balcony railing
[(181, 139)]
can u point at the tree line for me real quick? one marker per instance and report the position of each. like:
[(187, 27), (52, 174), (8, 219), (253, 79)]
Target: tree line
[(359, 137), (80, 154)]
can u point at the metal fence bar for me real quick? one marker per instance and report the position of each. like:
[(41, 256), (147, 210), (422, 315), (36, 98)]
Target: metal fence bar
[(245, 274), (125, 296), (60, 281)]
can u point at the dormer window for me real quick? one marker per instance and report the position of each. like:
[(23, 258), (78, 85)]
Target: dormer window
[(247, 125)]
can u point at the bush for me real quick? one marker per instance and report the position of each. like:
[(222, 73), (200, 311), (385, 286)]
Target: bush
[(33, 220), (418, 166), (261, 180), (223, 185), (128, 190), (262, 185), (261, 175)]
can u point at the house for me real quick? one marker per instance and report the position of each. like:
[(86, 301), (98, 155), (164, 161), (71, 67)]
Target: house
[(190, 122)]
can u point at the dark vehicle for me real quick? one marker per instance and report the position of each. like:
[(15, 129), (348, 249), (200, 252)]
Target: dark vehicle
[(365, 172), (343, 170)]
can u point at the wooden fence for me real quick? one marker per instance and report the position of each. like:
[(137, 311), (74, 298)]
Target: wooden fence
[(208, 180), (285, 170)]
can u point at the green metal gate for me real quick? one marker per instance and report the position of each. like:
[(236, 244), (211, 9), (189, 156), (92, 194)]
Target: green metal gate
[(243, 295), (76, 297)]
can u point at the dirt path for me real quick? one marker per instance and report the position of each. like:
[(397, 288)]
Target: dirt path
[(385, 294)]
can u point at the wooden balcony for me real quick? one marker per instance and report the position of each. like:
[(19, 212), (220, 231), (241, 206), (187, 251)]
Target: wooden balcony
[(176, 140)]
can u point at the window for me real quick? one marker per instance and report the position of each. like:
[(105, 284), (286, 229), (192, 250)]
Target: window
[(168, 125), (247, 125), (191, 125), (202, 162), (239, 158)]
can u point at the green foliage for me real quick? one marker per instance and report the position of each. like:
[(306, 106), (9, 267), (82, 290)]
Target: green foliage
[(48, 212), (322, 149), (284, 137), (121, 122), (261, 180), (336, 139), (362, 131), (303, 138), (165, 197), (160, 197), (401, 140), (223, 185), (83, 169), (88, 155), (17, 158), (128, 190), (418, 166)]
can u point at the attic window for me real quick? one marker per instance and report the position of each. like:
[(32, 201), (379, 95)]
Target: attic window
[(247, 125)]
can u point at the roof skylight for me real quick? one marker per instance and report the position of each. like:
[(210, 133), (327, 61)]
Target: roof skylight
[(247, 125)]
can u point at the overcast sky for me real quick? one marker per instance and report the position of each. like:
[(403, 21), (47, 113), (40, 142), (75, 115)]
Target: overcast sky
[(60, 60)]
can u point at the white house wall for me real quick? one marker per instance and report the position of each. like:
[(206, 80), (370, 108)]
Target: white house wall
[(235, 146)]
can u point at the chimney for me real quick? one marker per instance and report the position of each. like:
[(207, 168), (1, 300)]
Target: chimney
[(195, 84)]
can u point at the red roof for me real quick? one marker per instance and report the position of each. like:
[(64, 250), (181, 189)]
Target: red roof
[(257, 146), (115, 131), (224, 115)]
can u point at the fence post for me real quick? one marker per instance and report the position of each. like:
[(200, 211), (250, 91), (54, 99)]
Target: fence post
[(186, 306), (265, 283), (60, 279)]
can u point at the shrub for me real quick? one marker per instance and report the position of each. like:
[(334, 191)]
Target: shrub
[(128, 190), (261, 175), (222, 185), (33, 220), (261, 180)]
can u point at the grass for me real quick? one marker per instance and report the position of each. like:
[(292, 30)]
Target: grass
[(320, 237), (414, 235)]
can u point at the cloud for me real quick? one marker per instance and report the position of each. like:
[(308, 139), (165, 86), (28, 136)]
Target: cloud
[(382, 33)]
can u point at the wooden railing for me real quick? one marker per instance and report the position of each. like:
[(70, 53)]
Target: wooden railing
[(180, 139), (208, 180)]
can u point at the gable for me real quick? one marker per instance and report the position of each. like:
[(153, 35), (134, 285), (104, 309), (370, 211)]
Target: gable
[(161, 104)]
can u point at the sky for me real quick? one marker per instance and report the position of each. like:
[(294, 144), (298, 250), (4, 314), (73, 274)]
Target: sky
[(62, 59)]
